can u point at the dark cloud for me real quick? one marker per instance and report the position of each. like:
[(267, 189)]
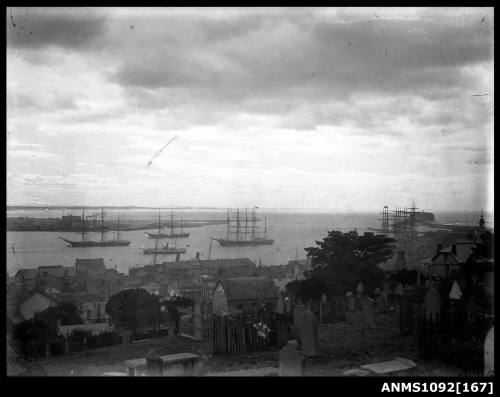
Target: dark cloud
[(68, 28)]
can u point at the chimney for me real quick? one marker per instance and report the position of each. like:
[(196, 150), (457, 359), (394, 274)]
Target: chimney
[(197, 256), (177, 257), (454, 249), (439, 248)]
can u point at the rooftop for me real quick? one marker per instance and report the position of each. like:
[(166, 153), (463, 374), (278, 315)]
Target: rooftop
[(249, 288)]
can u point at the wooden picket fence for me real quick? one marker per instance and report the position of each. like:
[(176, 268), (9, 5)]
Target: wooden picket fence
[(329, 312), (236, 333), (459, 341)]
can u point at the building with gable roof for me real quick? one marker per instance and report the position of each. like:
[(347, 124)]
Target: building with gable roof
[(243, 293)]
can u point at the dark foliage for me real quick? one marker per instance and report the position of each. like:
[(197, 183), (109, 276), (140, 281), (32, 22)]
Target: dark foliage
[(134, 308), (404, 276), (308, 289), (343, 259)]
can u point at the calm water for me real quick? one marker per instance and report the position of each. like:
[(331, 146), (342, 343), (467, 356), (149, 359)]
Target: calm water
[(291, 230)]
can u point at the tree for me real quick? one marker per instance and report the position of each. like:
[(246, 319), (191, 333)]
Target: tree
[(308, 289), (343, 259), (134, 308)]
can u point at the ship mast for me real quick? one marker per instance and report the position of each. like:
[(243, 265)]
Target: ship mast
[(265, 227), (102, 224), (237, 224), (228, 226), (83, 225), (118, 231), (246, 224), (171, 222)]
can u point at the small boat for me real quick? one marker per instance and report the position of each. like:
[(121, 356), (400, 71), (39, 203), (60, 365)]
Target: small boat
[(165, 250), (161, 235)]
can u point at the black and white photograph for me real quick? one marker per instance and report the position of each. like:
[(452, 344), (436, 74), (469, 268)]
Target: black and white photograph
[(250, 192)]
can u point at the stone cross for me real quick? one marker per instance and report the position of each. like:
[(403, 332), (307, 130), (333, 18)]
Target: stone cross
[(432, 303), (297, 313), (368, 313), (489, 353), (291, 360), (309, 334)]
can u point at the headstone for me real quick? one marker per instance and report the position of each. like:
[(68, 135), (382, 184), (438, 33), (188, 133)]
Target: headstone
[(399, 289), (154, 364), (297, 313), (368, 313), (288, 304), (432, 302), (280, 305), (309, 334), (323, 298), (489, 353), (380, 304), (197, 321), (291, 360), (351, 301), (386, 290), (456, 292)]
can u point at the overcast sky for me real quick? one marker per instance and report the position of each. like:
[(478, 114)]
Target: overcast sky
[(298, 108)]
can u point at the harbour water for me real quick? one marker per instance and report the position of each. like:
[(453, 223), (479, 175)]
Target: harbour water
[(292, 230)]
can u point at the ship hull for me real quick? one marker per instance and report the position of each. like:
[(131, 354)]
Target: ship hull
[(233, 243), (79, 244), (155, 236), (152, 251)]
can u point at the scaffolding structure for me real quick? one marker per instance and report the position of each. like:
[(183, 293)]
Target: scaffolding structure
[(385, 221)]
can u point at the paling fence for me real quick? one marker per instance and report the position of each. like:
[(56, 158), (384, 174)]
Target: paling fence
[(244, 332), (458, 340), (329, 312), (454, 335), (75, 342)]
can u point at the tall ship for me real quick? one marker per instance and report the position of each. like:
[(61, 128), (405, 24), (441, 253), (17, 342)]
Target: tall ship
[(161, 235), (167, 249), (85, 242), (241, 231)]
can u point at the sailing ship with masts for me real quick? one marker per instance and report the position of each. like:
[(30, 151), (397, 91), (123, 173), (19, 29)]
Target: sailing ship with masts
[(167, 249), (168, 235), (85, 242), (241, 231)]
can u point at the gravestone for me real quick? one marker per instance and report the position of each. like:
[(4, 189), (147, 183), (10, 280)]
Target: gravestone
[(386, 290), (291, 360), (351, 301), (154, 364), (455, 292), (297, 313), (399, 289), (197, 321), (489, 353), (288, 304), (280, 305), (309, 334), (368, 313), (380, 304), (323, 298), (432, 303)]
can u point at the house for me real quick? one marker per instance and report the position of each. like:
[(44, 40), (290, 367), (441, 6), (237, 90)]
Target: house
[(97, 279), (244, 293), (58, 277), (451, 259), (36, 303), (94, 311), (152, 287)]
